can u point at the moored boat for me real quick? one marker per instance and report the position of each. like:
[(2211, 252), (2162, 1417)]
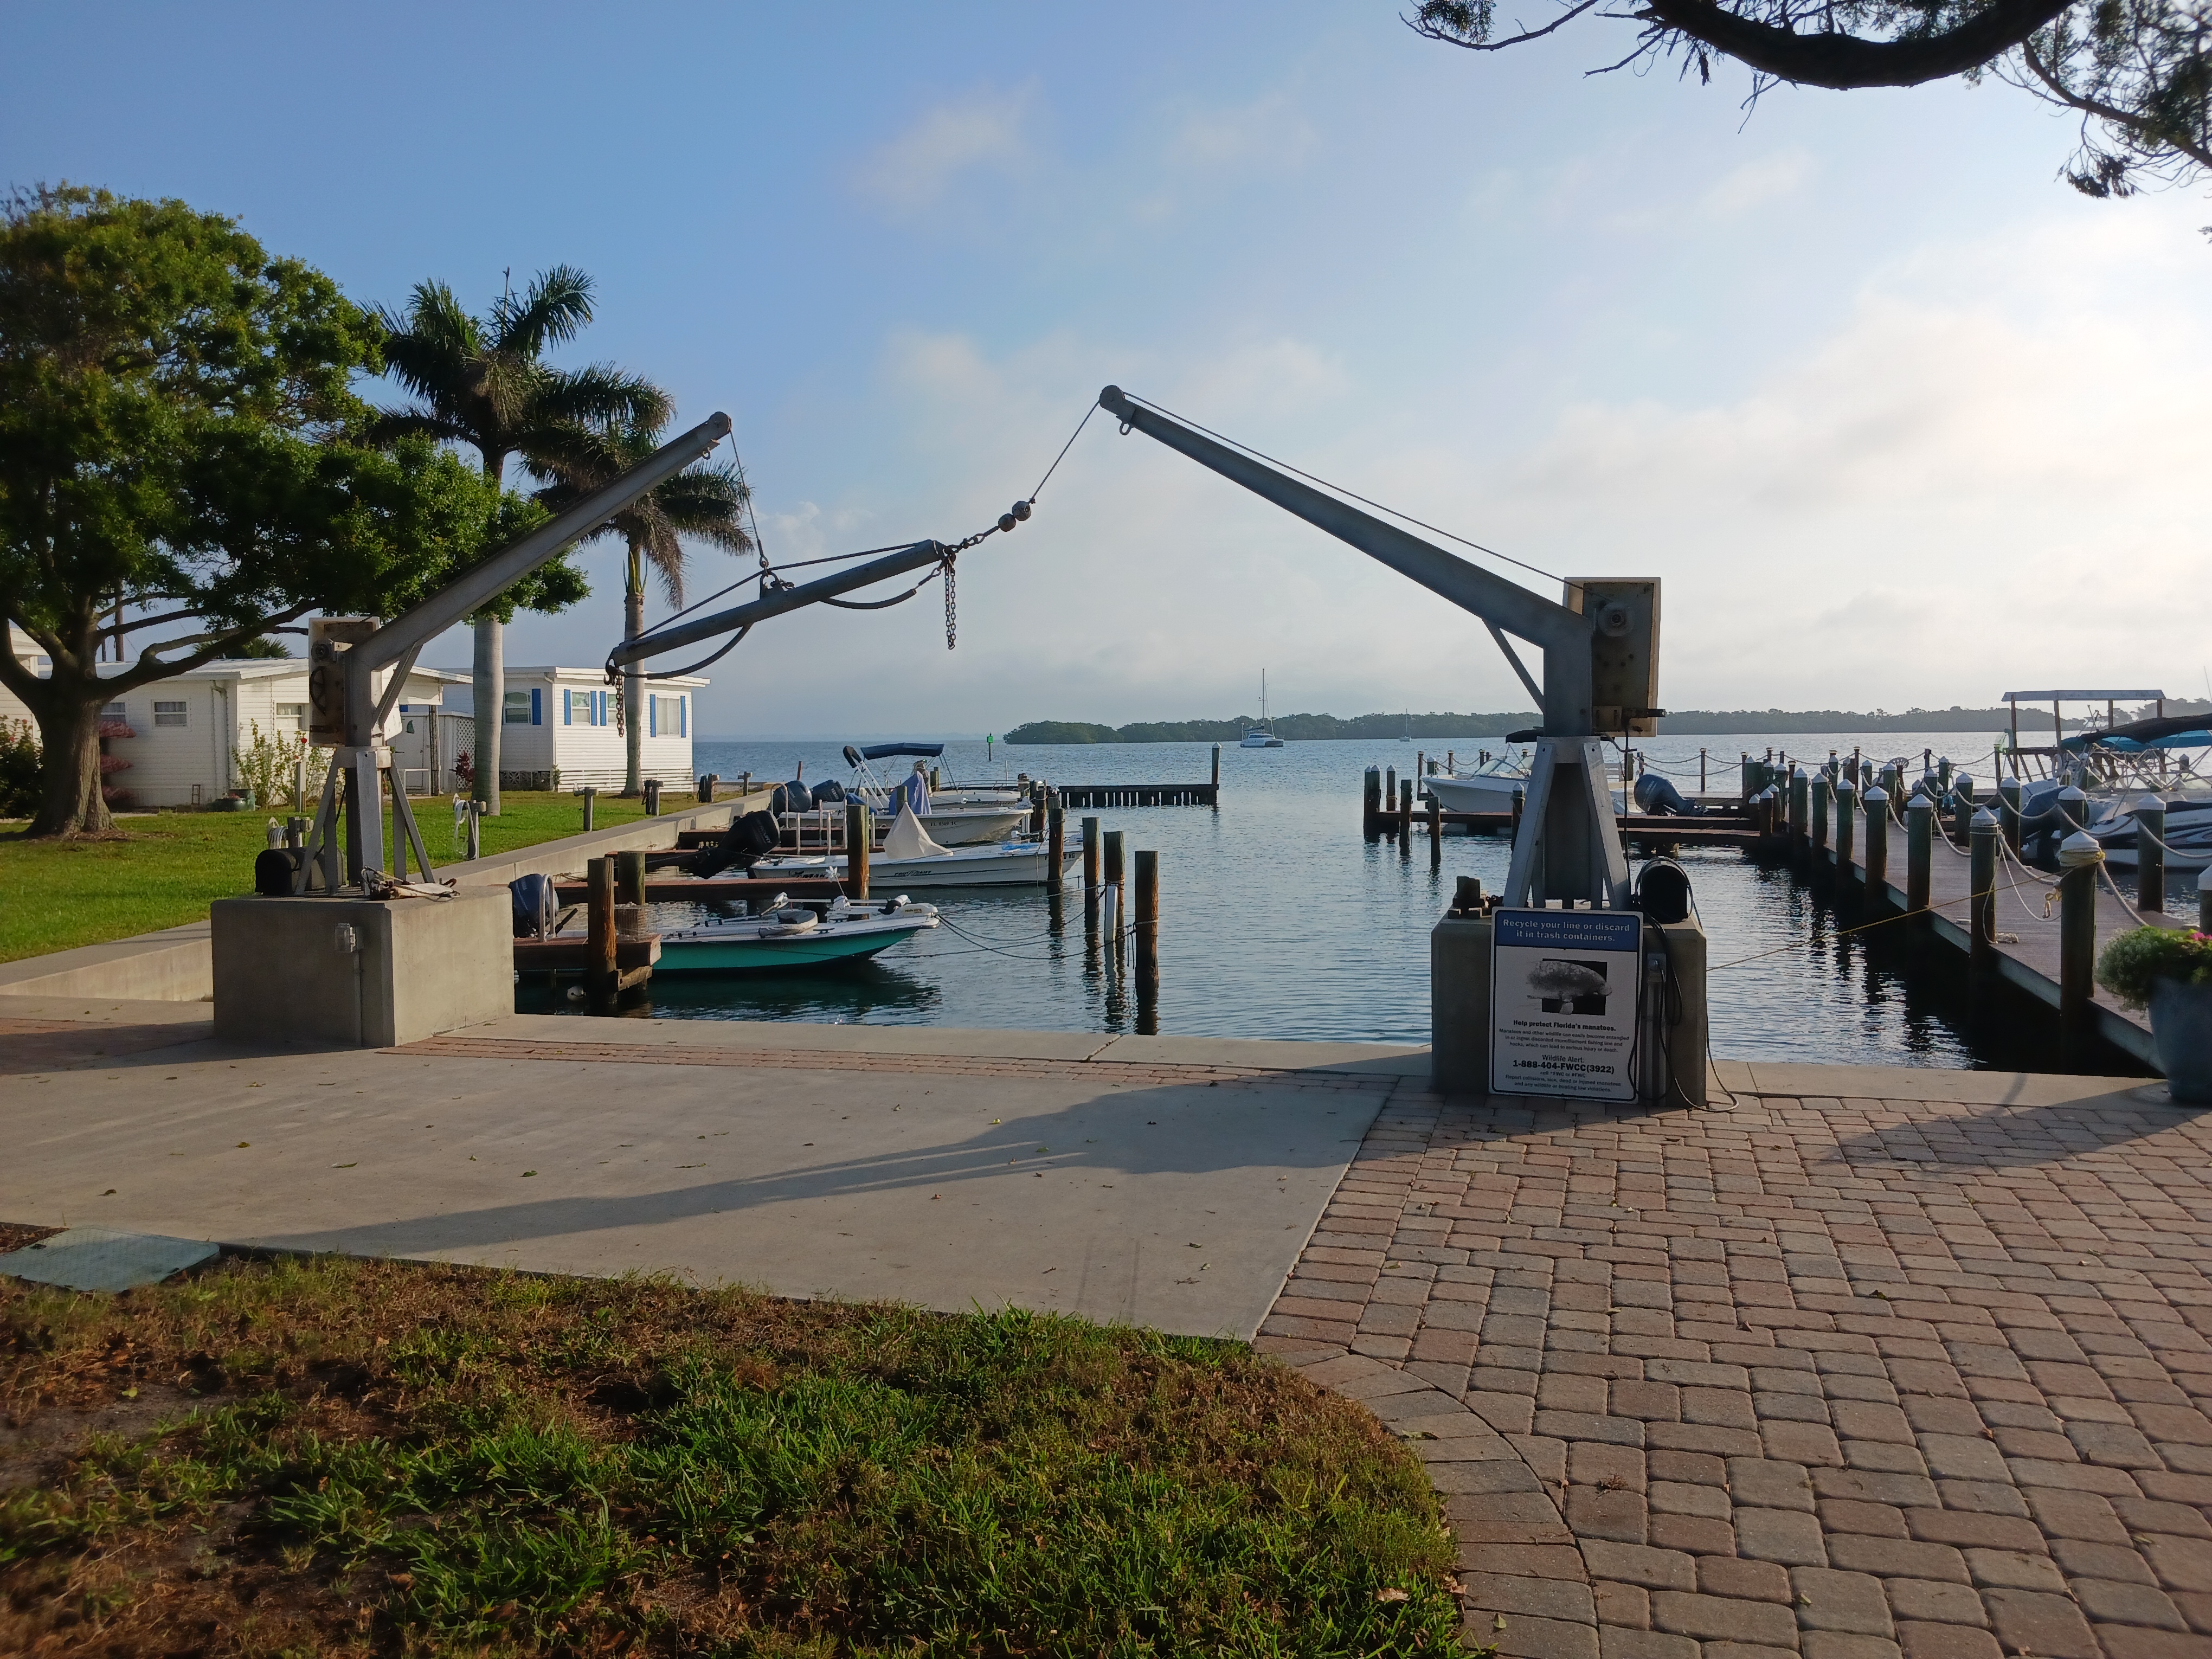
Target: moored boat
[(787, 936)]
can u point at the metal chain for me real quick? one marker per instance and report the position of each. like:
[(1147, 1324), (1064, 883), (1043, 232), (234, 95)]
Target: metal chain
[(952, 607)]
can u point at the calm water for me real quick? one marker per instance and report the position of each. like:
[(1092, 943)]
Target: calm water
[(1278, 919)]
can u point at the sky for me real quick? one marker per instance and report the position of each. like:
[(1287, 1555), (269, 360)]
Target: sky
[(1897, 417)]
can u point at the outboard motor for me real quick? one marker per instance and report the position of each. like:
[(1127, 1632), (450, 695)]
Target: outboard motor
[(1658, 796), (792, 796), (1663, 890), (744, 843), (537, 904), (830, 793)]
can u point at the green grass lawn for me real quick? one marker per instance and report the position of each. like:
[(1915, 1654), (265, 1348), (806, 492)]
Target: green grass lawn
[(164, 869), (354, 1457)]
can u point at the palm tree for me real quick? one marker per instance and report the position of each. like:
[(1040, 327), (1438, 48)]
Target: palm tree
[(484, 382), (706, 502)]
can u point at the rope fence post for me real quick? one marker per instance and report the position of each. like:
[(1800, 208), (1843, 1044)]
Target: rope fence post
[(1982, 891), (1962, 809), (2150, 855), (1800, 808), (859, 834), (1819, 811), (2074, 808), (1846, 826), (2204, 900), (1877, 842), (2009, 812), (1919, 851), (1148, 922), (2079, 855)]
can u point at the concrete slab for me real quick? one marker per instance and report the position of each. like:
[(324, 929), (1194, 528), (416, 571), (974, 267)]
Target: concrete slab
[(1114, 1193), (99, 1259), (1378, 1058), (177, 964), (1916, 1082), (786, 1035), (107, 1011)]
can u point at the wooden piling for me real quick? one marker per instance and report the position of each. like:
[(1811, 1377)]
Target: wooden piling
[(1847, 823), (1390, 792), (1962, 809), (1114, 871), (1147, 908), (2074, 808), (1089, 831), (1436, 830), (2150, 857), (2009, 812), (2077, 932), (1370, 803), (1406, 812), (591, 794), (1217, 774), (629, 878), (1876, 806), (1919, 851), (1982, 890), (1056, 842), (602, 976), (859, 836), (1519, 802), (1800, 808), (1819, 826), (1701, 771), (2204, 900)]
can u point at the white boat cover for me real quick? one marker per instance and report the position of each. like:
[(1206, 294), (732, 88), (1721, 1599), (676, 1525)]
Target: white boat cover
[(907, 839)]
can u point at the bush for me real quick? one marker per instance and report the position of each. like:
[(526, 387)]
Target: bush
[(19, 770), (266, 766), (2135, 960)]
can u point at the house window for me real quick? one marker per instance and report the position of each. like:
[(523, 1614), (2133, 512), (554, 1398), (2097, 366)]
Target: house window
[(666, 717), (169, 713), (517, 708), (112, 711), (291, 717)]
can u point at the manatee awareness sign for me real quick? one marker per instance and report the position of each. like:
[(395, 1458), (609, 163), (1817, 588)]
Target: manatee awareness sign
[(1563, 1003)]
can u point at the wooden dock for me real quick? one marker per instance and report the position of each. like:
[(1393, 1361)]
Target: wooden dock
[(2027, 950), (1090, 797)]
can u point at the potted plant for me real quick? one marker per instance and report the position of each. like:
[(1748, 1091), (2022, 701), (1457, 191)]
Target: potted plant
[(2169, 971)]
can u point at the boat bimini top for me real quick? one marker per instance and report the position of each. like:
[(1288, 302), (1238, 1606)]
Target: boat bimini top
[(889, 750)]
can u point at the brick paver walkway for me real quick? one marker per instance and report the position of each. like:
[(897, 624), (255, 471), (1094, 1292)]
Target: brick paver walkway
[(1843, 1378)]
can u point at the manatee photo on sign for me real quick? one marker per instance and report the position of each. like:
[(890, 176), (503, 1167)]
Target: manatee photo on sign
[(1563, 1003)]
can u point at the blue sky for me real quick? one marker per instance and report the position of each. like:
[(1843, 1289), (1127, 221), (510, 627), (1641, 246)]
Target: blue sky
[(1897, 417)]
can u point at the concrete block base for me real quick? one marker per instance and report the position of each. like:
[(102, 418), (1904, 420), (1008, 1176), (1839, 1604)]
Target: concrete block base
[(358, 973), (1459, 1007)]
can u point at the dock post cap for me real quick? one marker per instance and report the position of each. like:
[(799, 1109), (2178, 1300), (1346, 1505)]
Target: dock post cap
[(2148, 803), (1984, 819), (1920, 803), (2072, 792), (2079, 848), (2204, 879), (1875, 793)]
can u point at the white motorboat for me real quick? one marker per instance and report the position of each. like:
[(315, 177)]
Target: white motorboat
[(953, 815), (807, 934), (1488, 788), (912, 859), (2187, 834), (1261, 736)]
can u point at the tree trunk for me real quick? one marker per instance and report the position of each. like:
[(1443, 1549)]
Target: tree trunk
[(490, 686), (634, 680), (69, 737)]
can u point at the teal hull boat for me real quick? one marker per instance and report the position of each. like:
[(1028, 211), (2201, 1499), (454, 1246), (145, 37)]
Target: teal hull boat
[(792, 938)]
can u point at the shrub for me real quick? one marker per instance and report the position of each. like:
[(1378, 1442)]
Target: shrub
[(19, 770), (265, 765), (2134, 961)]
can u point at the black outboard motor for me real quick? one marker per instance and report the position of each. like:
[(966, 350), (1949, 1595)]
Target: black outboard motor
[(792, 796), (1659, 796), (536, 905), (830, 793), (1663, 890), (744, 843)]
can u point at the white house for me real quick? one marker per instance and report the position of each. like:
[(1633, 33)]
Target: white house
[(184, 731), (560, 729)]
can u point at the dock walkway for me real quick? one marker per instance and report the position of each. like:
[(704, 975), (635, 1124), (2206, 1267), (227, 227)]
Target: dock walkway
[(2027, 941)]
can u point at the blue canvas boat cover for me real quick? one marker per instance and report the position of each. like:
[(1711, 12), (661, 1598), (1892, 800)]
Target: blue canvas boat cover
[(883, 750)]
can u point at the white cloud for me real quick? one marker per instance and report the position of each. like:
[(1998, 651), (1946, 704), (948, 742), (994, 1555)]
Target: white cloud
[(1757, 184), (1269, 134), (984, 132)]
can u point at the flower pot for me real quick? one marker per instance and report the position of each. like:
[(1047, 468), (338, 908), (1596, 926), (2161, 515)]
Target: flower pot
[(2181, 1026)]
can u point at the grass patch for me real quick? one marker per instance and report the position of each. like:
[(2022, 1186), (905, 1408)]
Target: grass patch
[(346, 1456), (164, 870)]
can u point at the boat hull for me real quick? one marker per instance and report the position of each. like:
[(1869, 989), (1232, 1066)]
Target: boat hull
[(1000, 865), (819, 947), (1475, 794)]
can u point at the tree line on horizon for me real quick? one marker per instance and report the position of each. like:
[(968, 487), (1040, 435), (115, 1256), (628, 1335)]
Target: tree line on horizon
[(1688, 722)]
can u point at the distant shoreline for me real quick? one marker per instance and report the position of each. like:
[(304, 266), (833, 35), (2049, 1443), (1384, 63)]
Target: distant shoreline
[(1688, 722)]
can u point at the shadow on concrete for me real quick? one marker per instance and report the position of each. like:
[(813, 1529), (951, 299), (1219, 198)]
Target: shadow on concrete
[(1179, 1129), (91, 1047), (1957, 1141)]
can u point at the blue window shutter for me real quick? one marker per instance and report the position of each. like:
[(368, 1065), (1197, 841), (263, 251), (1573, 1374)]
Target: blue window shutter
[(683, 716), (537, 708), (652, 715), (567, 708)]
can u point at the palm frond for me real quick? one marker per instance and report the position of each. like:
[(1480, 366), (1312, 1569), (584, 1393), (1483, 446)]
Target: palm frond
[(602, 395), (390, 425), (549, 311)]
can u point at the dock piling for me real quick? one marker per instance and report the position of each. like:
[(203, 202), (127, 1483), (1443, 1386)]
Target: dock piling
[(1701, 771), (1406, 813), (2074, 808), (2079, 855), (1056, 842), (1982, 891), (602, 975), (2150, 856), (859, 838), (1818, 809), (1090, 829), (1370, 803), (2009, 812), (1919, 851), (1876, 805), (1436, 830), (1217, 776), (2204, 900), (1846, 826), (1800, 808), (629, 878), (1390, 794), (1147, 930), (1116, 884)]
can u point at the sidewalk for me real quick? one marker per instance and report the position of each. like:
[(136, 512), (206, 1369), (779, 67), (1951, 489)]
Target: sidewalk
[(1846, 1370)]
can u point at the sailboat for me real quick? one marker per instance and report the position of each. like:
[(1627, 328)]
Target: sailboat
[(1261, 736)]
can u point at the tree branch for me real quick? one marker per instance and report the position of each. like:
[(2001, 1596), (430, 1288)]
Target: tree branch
[(151, 668), (2149, 131), (1432, 32), (1845, 61)]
